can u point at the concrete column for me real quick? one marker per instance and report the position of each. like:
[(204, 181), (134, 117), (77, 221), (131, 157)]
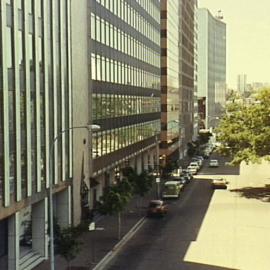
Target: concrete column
[(99, 187), (13, 242), (145, 161), (132, 162), (112, 176), (63, 207), (39, 227), (152, 159), (139, 163), (81, 96)]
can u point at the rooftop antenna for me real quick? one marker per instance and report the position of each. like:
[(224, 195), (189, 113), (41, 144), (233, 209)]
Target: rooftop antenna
[(220, 16)]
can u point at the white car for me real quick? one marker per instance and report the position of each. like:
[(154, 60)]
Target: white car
[(219, 183), (213, 163), (194, 164), (199, 161), (192, 170)]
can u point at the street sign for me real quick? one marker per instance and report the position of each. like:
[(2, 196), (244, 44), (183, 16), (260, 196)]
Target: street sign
[(92, 226), (157, 180)]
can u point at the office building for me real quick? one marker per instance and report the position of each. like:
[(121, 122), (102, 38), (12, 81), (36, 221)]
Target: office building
[(242, 83), (37, 95), (188, 74), (211, 64), (125, 73), (177, 78)]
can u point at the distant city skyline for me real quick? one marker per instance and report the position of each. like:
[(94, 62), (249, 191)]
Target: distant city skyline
[(248, 38)]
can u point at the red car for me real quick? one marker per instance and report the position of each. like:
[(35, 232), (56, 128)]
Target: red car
[(157, 208)]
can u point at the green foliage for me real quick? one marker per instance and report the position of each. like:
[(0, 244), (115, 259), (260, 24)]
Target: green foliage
[(115, 198), (204, 137), (245, 130), (67, 243), (141, 183)]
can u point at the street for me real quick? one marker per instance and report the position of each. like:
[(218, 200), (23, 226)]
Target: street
[(204, 230)]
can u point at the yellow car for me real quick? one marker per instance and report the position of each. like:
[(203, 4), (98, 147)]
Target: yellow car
[(219, 183)]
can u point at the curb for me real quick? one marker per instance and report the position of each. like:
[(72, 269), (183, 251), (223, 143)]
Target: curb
[(116, 249)]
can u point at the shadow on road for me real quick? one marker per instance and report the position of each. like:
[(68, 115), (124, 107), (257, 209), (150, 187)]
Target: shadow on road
[(164, 243), (259, 193)]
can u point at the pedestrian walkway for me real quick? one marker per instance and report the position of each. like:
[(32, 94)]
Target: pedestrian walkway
[(96, 244)]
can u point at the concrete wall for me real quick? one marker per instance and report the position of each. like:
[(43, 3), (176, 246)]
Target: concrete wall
[(80, 100), (255, 173)]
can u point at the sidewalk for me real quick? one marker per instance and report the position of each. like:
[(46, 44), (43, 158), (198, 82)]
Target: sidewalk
[(95, 245)]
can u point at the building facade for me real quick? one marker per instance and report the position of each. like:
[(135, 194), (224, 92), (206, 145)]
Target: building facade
[(188, 73), (211, 64), (125, 85), (177, 77), (36, 106), (242, 83)]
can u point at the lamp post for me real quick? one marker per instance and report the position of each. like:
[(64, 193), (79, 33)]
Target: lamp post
[(89, 128), (157, 164)]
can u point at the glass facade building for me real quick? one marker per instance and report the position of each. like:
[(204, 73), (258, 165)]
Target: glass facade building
[(35, 105), (125, 74), (188, 72), (177, 80), (211, 63)]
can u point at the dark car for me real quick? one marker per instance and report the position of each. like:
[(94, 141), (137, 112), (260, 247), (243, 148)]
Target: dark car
[(187, 174), (157, 208)]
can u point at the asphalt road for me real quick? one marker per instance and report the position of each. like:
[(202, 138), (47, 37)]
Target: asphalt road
[(162, 243)]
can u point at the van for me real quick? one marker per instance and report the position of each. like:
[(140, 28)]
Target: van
[(171, 189)]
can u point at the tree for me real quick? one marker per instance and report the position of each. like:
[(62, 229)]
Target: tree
[(115, 199), (141, 183), (68, 245), (244, 132)]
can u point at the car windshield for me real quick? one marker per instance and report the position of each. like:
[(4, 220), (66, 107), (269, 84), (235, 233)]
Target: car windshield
[(154, 204)]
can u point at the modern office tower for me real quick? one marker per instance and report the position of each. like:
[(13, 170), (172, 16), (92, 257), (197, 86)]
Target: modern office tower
[(196, 118), (211, 63), (36, 97), (188, 62), (242, 83), (125, 73), (177, 78)]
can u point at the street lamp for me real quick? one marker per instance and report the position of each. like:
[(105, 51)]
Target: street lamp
[(157, 162), (89, 128)]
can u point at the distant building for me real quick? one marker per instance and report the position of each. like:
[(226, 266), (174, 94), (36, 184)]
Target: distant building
[(211, 64), (177, 77), (242, 83)]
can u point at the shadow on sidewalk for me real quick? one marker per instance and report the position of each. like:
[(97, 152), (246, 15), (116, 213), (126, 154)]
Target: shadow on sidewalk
[(259, 193), (96, 244)]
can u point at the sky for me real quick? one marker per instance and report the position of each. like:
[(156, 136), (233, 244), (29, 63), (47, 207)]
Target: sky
[(248, 37)]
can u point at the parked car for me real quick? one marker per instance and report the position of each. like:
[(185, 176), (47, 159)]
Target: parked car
[(187, 174), (213, 163), (219, 183), (199, 157), (192, 170), (194, 164), (182, 179), (177, 172), (198, 161), (157, 208), (172, 189)]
